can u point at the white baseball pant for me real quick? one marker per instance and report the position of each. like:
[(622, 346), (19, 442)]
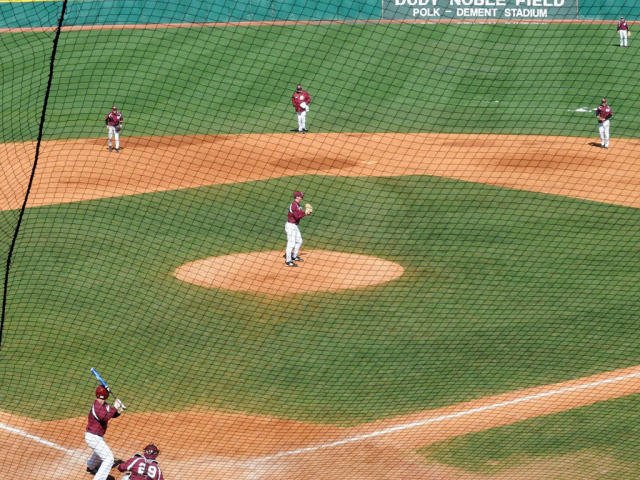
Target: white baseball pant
[(603, 129), (294, 241), (113, 133), (302, 121), (102, 455)]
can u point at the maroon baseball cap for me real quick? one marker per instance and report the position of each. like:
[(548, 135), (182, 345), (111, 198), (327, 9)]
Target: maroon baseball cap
[(299, 87), (298, 194)]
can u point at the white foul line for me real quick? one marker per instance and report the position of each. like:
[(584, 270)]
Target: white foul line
[(377, 433), (448, 416), (37, 439)]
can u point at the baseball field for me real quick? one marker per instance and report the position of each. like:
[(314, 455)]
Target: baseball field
[(467, 305)]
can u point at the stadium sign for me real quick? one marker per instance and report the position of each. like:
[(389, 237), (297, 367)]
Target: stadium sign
[(478, 9)]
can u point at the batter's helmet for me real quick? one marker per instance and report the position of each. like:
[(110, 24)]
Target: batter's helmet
[(102, 392), (298, 194), (151, 451)]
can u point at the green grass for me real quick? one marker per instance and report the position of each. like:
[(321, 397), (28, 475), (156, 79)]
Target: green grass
[(502, 290), (442, 78), (605, 430)]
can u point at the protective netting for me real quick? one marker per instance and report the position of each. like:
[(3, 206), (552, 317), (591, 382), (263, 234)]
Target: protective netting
[(467, 280)]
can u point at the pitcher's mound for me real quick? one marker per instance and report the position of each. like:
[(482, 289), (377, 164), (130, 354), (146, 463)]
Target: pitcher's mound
[(265, 272)]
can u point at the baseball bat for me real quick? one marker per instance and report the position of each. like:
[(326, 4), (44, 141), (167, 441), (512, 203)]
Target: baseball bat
[(103, 382)]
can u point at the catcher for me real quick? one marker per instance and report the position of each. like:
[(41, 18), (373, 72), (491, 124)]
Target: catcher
[(142, 466), (604, 112), (114, 121), (294, 237)]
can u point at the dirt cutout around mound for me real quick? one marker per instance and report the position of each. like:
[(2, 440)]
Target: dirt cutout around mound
[(265, 272), (216, 445)]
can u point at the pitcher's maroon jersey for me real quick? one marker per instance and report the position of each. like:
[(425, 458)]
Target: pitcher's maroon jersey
[(296, 212)]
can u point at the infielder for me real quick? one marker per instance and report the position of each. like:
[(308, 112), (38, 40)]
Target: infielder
[(101, 460), (604, 112), (114, 121), (623, 32), (142, 466), (294, 237), (301, 101)]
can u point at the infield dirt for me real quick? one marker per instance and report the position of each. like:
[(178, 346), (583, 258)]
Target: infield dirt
[(73, 170)]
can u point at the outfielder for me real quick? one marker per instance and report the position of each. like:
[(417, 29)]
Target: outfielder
[(623, 32), (142, 466), (294, 237), (301, 101), (101, 460), (114, 121), (604, 112)]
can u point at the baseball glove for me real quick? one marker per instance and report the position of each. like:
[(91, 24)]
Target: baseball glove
[(308, 209), (118, 128)]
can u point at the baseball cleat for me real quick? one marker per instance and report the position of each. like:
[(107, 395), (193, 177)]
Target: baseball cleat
[(290, 264), (92, 471), (297, 259)]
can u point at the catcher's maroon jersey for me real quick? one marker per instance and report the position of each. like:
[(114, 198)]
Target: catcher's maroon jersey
[(99, 416), (296, 212), (298, 97), (114, 119), (141, 468)]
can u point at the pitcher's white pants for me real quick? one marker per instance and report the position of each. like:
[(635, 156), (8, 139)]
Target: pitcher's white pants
[(102, 455), (294, 241)]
